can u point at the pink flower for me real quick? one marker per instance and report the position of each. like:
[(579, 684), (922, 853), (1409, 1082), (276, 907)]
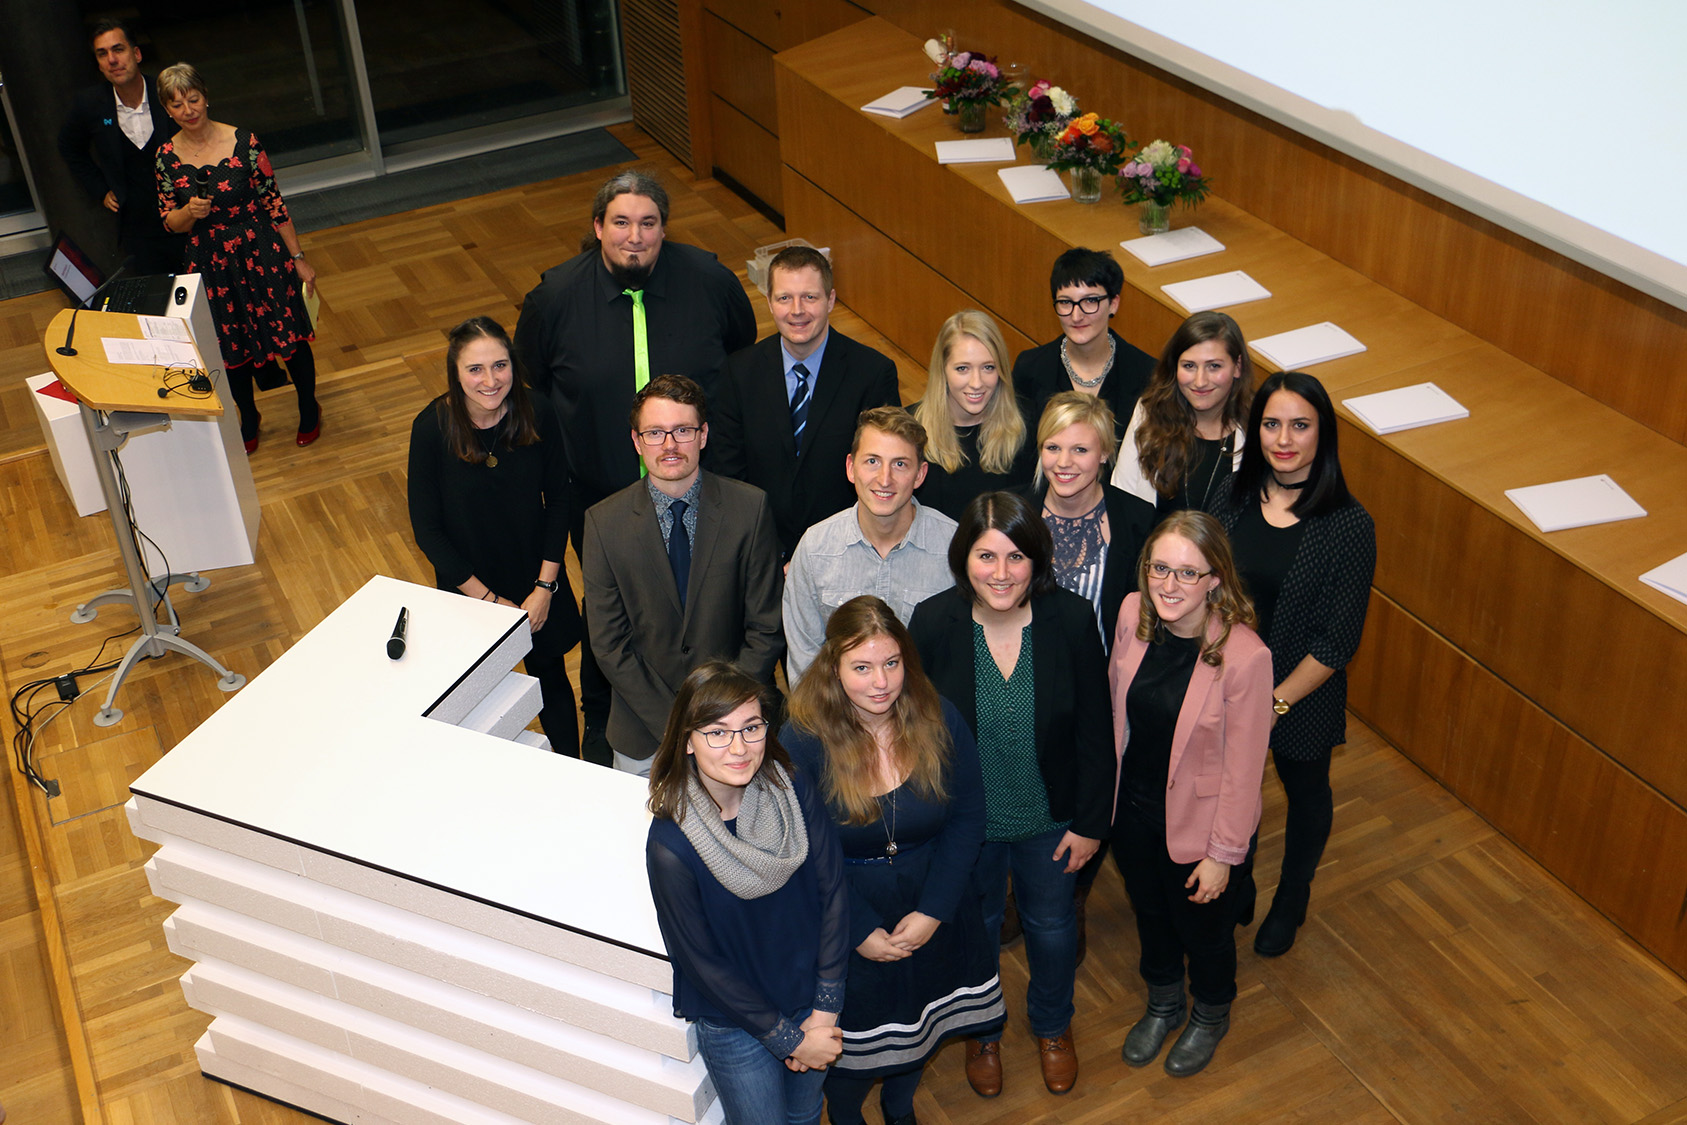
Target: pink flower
[(1195, 171), (1184, 149), (1041, 88), (961, 60), (1183, 163)]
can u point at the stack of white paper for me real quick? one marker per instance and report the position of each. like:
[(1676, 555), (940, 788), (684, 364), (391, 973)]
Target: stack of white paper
[(900, 102), (1033, 183), (1316, 343), (1173, 246), (1575, 503), (1406, 408), (985, 150), (1671, 578), (1217, 291)]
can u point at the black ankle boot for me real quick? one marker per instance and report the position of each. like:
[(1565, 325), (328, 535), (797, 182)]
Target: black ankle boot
[(1194, 1049), (1165, 1013), (1276, 934)]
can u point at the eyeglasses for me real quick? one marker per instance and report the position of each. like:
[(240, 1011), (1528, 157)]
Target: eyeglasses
[(1087, 305), (1187, 575), (719, 738), (683, 435)]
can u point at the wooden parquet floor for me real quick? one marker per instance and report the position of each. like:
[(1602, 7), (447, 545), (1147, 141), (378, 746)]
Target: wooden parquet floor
[(1441, 975)]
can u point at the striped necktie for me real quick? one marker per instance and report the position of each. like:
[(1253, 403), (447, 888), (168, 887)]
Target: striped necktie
[(799, 404)]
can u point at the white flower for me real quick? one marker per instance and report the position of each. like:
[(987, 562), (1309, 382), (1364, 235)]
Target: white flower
[(936, 52), (1064, 104), (1159, 154)]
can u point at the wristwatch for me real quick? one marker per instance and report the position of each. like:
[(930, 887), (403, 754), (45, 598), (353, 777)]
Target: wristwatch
[(541, 584), (1281, 706)]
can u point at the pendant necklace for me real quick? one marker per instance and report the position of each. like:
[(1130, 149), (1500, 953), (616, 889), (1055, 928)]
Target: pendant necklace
[(1088, 384), (890, 829)]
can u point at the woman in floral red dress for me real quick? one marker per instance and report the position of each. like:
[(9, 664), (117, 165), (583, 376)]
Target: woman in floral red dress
[(215, 184)]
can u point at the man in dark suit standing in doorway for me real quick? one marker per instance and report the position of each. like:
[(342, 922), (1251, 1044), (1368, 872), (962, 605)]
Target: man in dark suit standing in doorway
[(109, 142), (787, 406)]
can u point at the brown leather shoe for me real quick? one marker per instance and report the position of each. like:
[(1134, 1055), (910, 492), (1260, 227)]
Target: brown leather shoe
[(984, 1068), (1060, 1062)]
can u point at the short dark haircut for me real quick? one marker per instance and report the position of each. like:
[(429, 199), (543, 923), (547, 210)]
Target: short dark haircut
[(801, 258), (1015, 517), (892, 420), (675, 388), (630, 183), (1326, 487), (1080, 266), (111, 24)]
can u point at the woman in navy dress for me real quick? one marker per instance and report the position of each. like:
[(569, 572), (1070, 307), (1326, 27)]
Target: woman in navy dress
[(749, 890), (215, 185), (899, 770)]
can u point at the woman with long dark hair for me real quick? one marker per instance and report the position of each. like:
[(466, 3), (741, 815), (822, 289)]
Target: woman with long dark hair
[(1191, 707), (899, 770), (1186, 436), (748, 883), (1307, 551), (489, 505)]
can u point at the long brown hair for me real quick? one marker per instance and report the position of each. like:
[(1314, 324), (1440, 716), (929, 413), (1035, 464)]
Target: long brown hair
[(1232, 604), (920, 742), (715, 688), (518, 425), (1002, 431), (1165, 442)]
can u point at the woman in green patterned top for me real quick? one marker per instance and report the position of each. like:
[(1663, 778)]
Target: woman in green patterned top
[(1022, 661)]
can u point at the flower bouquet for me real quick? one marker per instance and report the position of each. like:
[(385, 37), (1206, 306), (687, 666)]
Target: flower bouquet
[(1039, 115), (967, 82), (1090, 147), (1159, 176)]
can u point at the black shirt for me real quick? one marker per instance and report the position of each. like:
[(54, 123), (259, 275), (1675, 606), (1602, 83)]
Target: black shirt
[(1207, 482), (1152, 704), (950, 493), (1263, 555), (1038, 375)]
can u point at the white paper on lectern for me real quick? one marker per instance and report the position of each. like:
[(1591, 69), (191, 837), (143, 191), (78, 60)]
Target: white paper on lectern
[(151, 353), (1216, 291), (984, 150), (1406, 408), (1580, 502), (899, 103), (1316, 343), (1172, 246), (1033, 183), (1670, 578), (165, 328)]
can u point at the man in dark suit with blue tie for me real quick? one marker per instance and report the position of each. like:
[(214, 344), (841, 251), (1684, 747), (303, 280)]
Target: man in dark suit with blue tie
[(109, 142), (680, 568), (786, 407)]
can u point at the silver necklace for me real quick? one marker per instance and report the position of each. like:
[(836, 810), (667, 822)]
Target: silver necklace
[(890, 828), (1088, 384)]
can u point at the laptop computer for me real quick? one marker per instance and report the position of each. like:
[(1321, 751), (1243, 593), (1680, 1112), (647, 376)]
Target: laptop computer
[(83, 281)]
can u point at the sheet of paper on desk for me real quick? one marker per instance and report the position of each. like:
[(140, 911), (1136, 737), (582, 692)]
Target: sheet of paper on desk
[(1172, 246), (164, 328), (1316, 343), (152, 353), (1580, 502), (986, 150), (1671, 578), (1406, 408), (900, 102), (1033, 183), (1216, 291)]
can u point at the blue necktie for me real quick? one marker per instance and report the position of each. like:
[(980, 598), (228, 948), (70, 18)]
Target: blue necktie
[(679, 549), (799, 404)]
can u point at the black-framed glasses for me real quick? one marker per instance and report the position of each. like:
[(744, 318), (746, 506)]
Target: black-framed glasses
[(719, 738), (1187, 575), (1089, 306), (684, 435)]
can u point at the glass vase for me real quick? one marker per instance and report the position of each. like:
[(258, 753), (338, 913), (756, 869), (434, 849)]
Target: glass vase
[(1086, 185), (972, 117), (1156, 218)]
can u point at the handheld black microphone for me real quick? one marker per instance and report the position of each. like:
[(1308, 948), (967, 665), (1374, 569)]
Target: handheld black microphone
[(395, 643)]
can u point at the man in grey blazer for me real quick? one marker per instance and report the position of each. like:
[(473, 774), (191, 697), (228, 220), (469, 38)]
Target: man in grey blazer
[(680, 568)]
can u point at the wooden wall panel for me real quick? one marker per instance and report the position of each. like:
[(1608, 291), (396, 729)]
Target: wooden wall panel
[(656, 73), (747, 153), (894, 291), (1608, 835), (779, 24), (740, 71), (1598, 335)]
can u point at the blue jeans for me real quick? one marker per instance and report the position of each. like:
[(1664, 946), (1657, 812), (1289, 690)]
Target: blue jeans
[(754, 1087), (1043, 893)]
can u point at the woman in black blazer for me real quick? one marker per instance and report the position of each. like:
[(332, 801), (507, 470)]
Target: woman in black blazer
[(1045, 746), (1306, 550)]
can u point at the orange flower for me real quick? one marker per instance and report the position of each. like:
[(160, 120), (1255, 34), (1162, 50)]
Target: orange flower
[(1086, 124)]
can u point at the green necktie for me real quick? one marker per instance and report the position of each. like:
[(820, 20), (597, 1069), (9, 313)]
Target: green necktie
[(641, 350)]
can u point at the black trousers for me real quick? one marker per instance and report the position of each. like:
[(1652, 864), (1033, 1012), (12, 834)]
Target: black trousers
[(1311, 814), (301, 365)]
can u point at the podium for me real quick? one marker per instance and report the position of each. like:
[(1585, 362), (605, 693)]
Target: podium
[(119, 402)]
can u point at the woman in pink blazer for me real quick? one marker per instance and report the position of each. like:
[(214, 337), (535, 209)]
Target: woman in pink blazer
[(1191, 687)]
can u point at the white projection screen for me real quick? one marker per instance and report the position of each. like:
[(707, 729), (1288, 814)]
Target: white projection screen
[(1564, 121)]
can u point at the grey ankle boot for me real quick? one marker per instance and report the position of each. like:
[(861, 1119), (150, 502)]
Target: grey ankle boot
[(1165, 1013), (1194, 1048)]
